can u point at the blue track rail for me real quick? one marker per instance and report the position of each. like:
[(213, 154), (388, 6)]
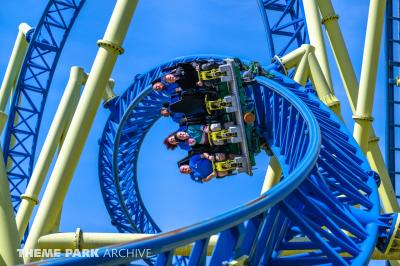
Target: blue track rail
[(31, 91), (35, 80), (132, 116), (285, 28), (328, 189)]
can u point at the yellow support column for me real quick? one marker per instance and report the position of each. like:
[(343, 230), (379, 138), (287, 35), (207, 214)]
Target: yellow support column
[(386, 192), (9, 241), (348, 75), (302, 71), (80, 240), (60, 124), (12, 72), (14, 65), (293, 58), (316, 36), (108, 96), (305, 57), (342, 57), (272, 176), (109, 49), (321, 86), (363, 131), (362, 117), (109, 93)]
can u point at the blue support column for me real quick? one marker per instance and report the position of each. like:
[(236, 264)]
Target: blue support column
[(393, 91)]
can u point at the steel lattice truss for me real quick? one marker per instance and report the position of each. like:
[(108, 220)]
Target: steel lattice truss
[(285, 27), (31, 91), (131, 117), (326, 174), (393, 90), (35, 81), (328, 189), (284, 24)]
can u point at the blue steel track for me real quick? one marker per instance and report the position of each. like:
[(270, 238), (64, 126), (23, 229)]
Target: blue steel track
[(133, 114), (31, 91), (326, 175), (285, 29), (284, 24)]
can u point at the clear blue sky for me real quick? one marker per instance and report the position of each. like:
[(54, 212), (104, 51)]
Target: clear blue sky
[(159, 32)]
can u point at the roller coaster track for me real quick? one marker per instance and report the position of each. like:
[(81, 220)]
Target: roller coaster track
[(31, 91), (328, 188), (285, 28), (284, 25), (133, 114)]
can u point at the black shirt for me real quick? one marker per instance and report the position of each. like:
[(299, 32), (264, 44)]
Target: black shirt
[(187, 76)]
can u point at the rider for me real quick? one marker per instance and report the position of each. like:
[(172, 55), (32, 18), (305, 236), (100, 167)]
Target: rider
[(160, 85), (179, 139), (200, 167), (189, 136), (200, 132), (178, 118), (183, 74)]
